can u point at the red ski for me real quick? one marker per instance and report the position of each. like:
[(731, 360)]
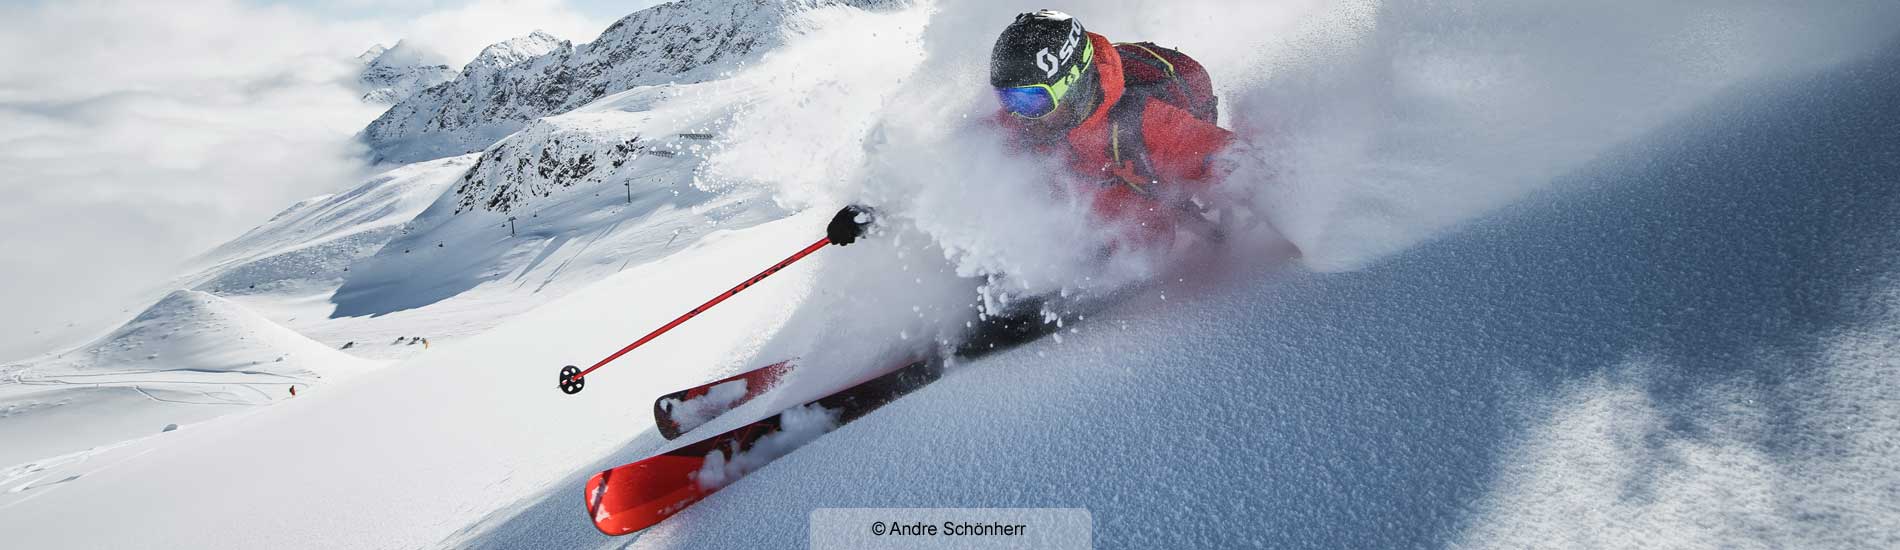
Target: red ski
[(636, 496), (681, 411)]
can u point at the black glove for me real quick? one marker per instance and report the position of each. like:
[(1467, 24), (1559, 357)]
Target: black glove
[(849, 224)]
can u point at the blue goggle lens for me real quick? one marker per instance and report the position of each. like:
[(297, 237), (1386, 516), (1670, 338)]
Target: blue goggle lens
[(1027, 101)]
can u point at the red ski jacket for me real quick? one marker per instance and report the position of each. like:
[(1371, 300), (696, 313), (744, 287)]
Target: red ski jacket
[(1139, 171)]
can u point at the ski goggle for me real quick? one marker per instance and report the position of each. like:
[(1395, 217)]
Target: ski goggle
[(1038, 100)]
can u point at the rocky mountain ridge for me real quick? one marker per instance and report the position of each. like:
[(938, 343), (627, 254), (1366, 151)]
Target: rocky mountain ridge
[(516, 82), (393, 74)]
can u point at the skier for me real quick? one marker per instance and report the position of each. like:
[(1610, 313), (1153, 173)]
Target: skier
[(1135, 121), (1136, 125)]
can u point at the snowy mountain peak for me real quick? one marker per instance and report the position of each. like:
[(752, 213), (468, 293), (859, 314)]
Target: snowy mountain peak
[(394, 73), (515, 82), (372, 53), (404, 54), (513, 51)]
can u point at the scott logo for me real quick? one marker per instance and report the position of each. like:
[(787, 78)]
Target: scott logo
[(1049, 62)]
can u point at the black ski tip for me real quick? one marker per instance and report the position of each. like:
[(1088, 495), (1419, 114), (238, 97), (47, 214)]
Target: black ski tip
[(670, 431), (571, 381), (663, 417)]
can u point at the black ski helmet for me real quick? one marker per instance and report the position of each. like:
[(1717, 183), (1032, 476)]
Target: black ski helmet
[(1038, 48)]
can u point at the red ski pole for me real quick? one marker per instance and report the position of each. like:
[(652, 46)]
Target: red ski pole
[(573, 378)]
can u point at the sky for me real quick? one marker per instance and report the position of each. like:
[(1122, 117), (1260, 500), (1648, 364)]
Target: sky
[(135, 135)]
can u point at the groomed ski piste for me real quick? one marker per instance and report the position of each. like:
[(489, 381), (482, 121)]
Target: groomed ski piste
[(1573, 276)]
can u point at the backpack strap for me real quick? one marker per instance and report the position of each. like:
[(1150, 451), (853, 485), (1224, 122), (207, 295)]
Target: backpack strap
[(1127, 146), (1129, 162), (1152, 59)]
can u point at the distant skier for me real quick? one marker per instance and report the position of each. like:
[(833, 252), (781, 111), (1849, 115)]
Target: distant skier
[(1135, 122)]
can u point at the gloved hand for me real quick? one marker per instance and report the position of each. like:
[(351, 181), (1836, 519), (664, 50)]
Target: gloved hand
[(849, 224)]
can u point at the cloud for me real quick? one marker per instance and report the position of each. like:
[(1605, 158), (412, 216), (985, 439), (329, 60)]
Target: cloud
[(134, 135)]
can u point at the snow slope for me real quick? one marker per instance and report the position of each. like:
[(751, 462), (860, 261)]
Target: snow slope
[(191, 330), (240, 333), (311, 243), (452, 272), (425, 256), (1691, 348), (517, 433), (189, 357), (1560, 295)]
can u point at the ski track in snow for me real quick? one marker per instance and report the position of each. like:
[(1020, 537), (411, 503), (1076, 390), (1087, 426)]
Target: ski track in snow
[(1634, 294)]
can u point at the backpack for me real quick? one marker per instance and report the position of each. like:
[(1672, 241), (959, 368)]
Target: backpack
[(1170, 76), (1164, 74)]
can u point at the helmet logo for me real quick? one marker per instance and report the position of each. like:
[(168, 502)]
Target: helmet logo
[(1050, 62), (1047, 62)]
